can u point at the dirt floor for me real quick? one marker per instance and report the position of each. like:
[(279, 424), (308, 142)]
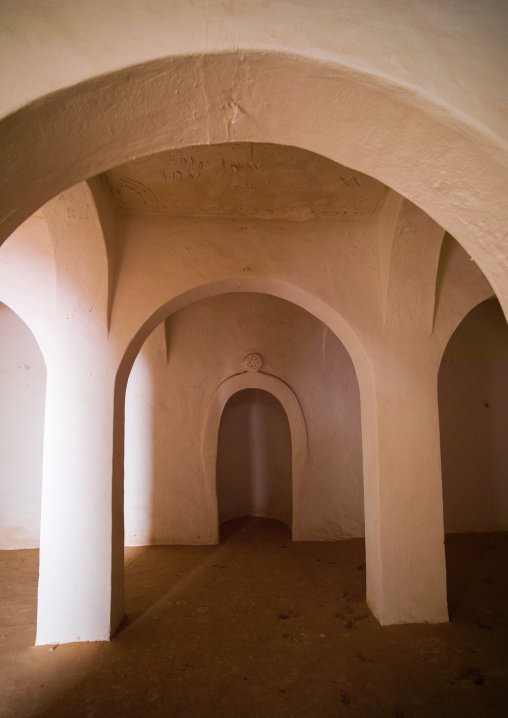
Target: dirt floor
[(259, 626)]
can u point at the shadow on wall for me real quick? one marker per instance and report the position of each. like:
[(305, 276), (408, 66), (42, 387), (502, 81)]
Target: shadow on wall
[(22, 399), (473, 415), (254, 472)]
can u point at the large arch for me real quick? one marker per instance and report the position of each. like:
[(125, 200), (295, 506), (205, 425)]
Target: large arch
[(278, 288), (342, 32), (264, 285), (427, 151), (299, 448), (382, 421), (369, 425), (420, 121)]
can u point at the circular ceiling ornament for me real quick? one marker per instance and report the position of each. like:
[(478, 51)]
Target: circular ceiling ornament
[(254, 362)]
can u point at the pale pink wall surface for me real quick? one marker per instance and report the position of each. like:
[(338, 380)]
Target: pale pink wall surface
[(254, 458), (165, 499), (473, 408), (394, 91), (22, 394)]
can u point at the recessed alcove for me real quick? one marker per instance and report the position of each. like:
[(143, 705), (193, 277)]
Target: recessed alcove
[(184, 374), (254, 468)]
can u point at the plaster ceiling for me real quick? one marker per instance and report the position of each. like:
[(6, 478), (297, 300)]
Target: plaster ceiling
[(243, 180)]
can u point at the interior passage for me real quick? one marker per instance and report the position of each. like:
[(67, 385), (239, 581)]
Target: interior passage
[(473, 414), (254, 458)]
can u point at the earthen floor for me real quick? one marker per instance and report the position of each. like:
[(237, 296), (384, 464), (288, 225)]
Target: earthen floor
[(259, 626)]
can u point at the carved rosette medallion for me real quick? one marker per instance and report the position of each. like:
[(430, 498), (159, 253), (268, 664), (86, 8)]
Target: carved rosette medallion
[(254, 362)]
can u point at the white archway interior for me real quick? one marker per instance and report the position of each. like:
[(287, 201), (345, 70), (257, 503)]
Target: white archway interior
[(254, 462), (179, 367), (22, 402), (291, 405), (419, 124), (228, 107)]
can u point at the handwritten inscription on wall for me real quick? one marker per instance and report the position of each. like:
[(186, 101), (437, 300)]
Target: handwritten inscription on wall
[(245, 180)]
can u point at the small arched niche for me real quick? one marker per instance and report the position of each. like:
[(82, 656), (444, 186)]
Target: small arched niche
[(254, 466), (282, 395)]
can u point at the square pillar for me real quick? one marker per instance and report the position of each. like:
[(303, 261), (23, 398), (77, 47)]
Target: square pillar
[(78, 599), (406, 569)]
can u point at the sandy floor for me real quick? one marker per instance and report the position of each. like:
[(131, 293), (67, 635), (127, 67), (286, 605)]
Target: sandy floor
[(262, 627)]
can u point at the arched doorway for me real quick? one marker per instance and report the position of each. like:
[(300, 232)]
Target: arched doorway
[(232, 117), (170, 481), (22, 407), (473, 416), (473, 407), (281, 392), (254, 468), (22, 400)]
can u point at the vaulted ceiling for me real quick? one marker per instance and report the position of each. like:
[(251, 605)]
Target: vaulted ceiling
[(243, 180)]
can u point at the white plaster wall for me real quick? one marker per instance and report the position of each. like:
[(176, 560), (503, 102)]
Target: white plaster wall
[(395, 95), (206, 342), (372, 110), (254, 458), (473, 407), (22, 394), (426, 45)]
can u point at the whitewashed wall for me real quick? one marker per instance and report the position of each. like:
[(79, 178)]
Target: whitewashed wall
[(22, 394), (164, 495)]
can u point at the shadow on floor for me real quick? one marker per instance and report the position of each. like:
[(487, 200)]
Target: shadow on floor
[(476, 568), (259, 625), (155, 572)]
